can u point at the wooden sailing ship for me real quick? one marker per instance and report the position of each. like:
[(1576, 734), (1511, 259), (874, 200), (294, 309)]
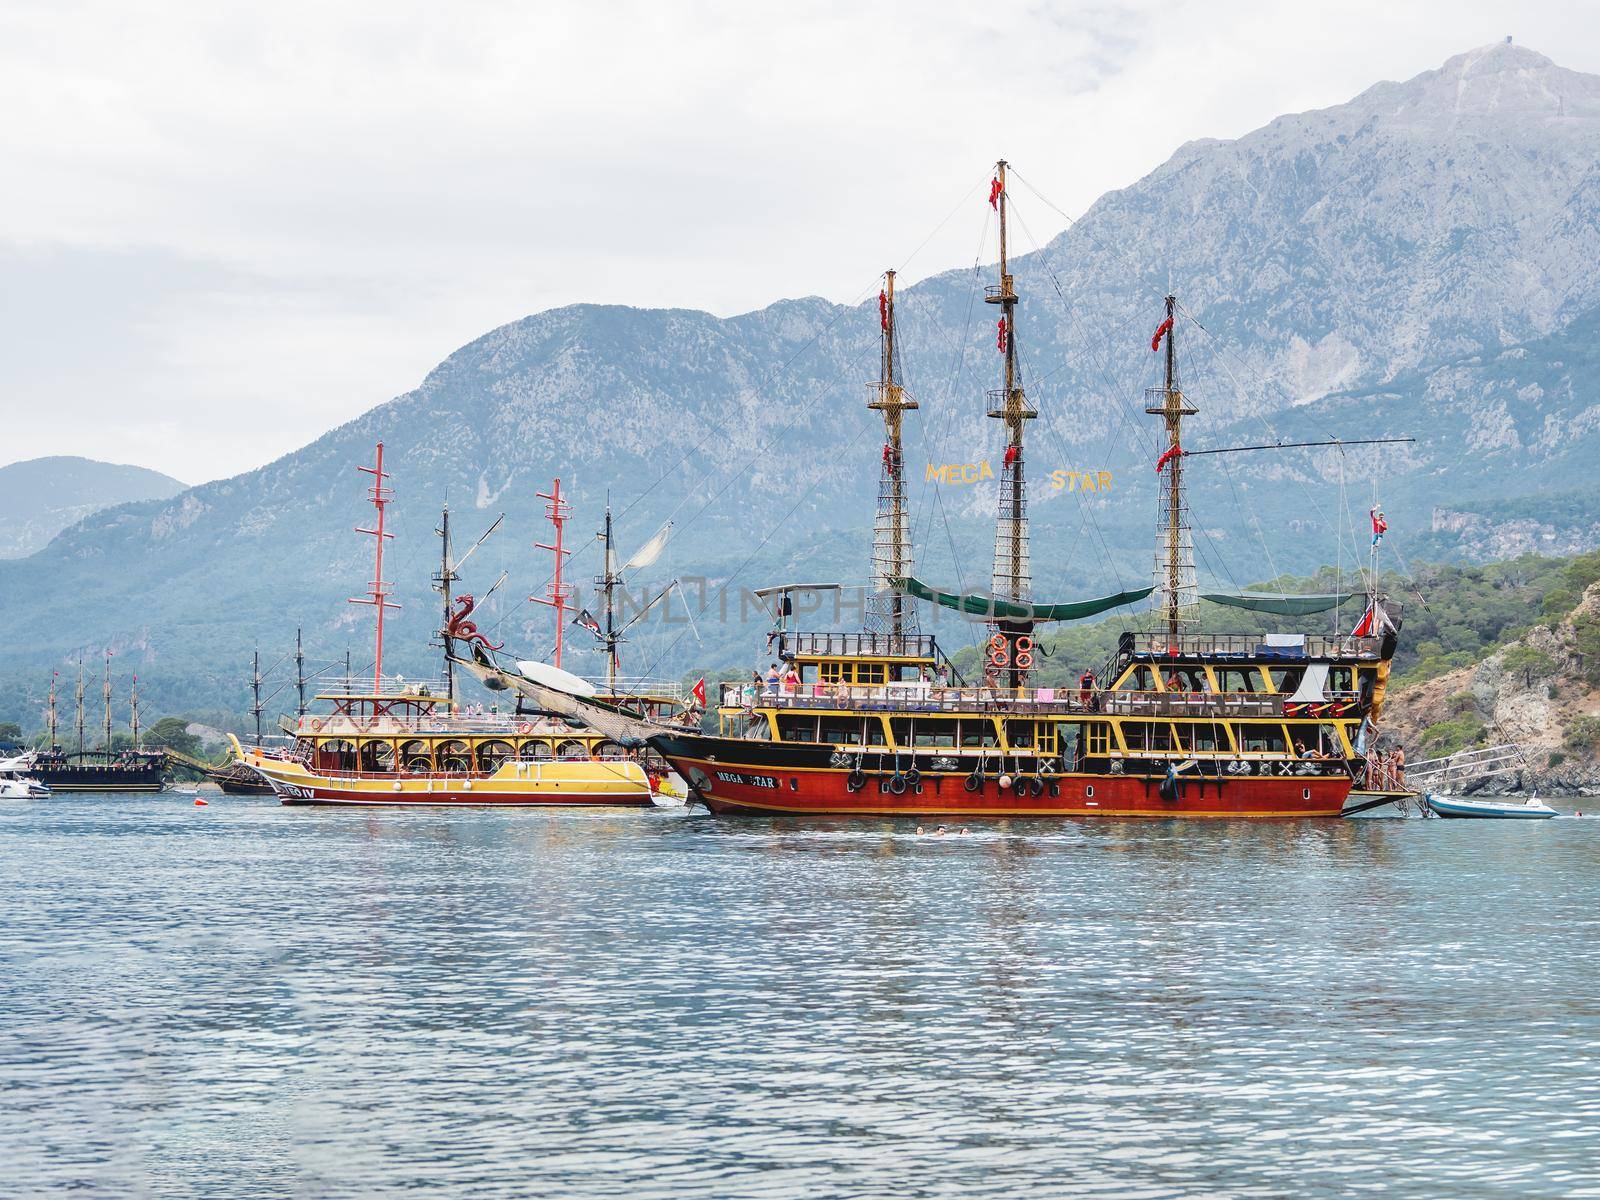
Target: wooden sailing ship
[(409, 745), (131, 769), (1176, 724)]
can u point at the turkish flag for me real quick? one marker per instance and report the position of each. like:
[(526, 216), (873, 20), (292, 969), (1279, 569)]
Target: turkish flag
[(1164, 329), (699, 691)]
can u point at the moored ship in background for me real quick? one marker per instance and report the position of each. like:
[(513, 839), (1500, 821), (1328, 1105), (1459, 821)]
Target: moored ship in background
[(107, 769)]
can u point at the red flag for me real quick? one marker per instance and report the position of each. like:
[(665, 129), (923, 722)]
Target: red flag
[(1161, 332), (1364, 626), (1172, 453), (883, 310), (1000, 335), (699, 691), (1011, 455), (994, 192)]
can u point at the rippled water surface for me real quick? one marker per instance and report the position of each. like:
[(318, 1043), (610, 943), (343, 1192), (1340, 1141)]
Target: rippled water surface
[(247, 1000)]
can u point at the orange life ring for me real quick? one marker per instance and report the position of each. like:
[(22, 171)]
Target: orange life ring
[(1024, 644), (998, 642), (997, 658), (316, 724), (524, 729), (1024, 660)]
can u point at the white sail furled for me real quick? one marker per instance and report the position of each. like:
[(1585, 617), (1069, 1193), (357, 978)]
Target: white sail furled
[(651, 550)]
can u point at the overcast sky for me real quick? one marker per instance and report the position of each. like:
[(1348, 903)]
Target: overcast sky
[(226, 228)]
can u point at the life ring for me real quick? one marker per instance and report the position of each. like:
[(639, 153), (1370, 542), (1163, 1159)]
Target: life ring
[(1024, 643), (524, 729), (1024, 660), (998, 642), (897, 783), (974, 781), (316, 724)]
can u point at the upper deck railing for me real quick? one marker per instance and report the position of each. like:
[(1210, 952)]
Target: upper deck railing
[(915, 697), (1249, 645), (865, 645)]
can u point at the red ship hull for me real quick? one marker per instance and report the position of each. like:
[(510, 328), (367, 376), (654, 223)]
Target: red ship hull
[(733, 789)]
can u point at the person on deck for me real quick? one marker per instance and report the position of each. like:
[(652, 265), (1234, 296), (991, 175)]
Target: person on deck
[(1085, 687), (772, 679), (791, 681)]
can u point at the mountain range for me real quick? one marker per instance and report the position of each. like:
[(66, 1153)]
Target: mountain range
[(1411, 263), (42, 496)]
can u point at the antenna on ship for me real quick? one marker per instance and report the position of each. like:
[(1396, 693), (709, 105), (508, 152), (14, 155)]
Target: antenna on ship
[(106, 689), (255, 690), (1011, 652), (378, 590), (1177, 593), (887, 610), (556, 593), (80, 705), (299, 675)]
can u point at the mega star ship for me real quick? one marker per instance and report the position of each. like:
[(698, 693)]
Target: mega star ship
[(1177, 723)]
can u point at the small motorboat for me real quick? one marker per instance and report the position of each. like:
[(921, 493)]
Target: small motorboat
[(20, 787), (1532, 809)]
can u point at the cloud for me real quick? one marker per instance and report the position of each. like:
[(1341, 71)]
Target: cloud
[(234, 226)]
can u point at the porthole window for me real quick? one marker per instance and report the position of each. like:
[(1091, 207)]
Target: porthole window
[(1305, 793), (1088, 789)]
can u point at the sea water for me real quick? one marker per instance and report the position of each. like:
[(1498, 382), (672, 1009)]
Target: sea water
[(249, 1000)]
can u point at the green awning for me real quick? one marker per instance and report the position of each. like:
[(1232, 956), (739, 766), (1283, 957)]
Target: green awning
[(1283, 605), (979, 605)]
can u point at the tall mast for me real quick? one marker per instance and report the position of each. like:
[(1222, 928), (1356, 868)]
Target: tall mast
[(557, 593), (255, 690), (887, 610), (106, 693), (1012, 570), (80, 705), (608, 584), (133, 714), (1176, 589), (299, 675), (443, 581), (378, 590), (54, 675)]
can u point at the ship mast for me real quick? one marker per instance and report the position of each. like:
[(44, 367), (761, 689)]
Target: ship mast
[(557, 593), (1012, 570), (887, 610), (255, 690), (608, 584), (106, 690), (378, 590), (80, 706), (299, 674), (54, 675), (1176, 589), (443, 581), (133, 716)]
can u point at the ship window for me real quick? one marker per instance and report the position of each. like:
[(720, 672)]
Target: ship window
[(841, 731), (1208, 738), (1263, 739), (1331, 745), (830, 672), (572, 750), (492, 754), (936, 733), (452, 755), (537, 749), (870, 673), (609, 750), (793, 727), (875, 736), (1341, 679), (978, 733), (1148, 736), (1067, 733), (377, 756), (1286, 679), (1239, 679), (1019, 735), (1140, 679), (1098, 737)]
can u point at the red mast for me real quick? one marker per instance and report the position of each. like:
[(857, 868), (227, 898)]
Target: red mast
[(556, 593), (378, 590)]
